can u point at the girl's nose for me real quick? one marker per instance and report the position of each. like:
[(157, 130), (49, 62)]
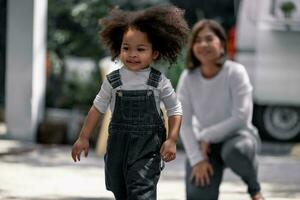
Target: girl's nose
[(132, 54)]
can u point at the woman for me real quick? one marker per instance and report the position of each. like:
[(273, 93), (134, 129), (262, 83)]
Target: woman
[(217, 132)]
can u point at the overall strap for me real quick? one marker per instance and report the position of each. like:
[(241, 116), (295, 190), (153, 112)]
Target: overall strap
[(154, 77), (114, 78)]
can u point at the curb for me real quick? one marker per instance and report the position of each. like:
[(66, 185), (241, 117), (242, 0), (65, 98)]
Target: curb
[(280, 149), (295, 150)]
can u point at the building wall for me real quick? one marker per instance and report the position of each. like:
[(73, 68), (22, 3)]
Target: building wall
[(25, 67)]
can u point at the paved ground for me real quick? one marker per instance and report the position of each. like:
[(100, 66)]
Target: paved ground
[(37, 172)]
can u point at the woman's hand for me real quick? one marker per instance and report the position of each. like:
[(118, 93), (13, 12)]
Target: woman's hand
[(81, 144), (168, 150), (205, 148), (201, 173)]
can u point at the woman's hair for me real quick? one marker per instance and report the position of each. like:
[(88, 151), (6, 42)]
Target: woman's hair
[(165, 27), (191, 61)]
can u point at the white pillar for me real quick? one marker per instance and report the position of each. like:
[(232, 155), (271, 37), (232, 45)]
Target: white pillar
[(25, 67)]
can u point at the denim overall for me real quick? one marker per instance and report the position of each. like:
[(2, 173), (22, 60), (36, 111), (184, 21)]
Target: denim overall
[(136, 133)]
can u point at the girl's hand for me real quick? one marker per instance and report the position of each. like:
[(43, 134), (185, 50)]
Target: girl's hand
[(82, 144), (201, 173), (168, 150), (205, 148)]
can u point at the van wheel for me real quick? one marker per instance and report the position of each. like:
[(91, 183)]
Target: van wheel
[(281, 123)]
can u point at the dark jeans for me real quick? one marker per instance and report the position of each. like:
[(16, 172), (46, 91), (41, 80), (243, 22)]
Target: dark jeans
[(237, 153)]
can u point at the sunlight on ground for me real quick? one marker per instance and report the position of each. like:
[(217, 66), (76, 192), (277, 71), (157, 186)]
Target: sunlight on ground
[(3, 129)]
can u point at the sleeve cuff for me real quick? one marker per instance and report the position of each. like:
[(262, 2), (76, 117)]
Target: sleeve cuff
[(99, 108), (194, 160)]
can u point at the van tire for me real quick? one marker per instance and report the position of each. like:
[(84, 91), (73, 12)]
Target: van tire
[(279, 123)]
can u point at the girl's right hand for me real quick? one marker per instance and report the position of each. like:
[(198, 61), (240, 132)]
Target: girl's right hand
[(81, 144), (201, 173)]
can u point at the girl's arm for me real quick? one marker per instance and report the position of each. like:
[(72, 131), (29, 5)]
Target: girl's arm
[(168, 149), (82, 143), (95, 114), (174, 113), (174, 123), (90, 122)]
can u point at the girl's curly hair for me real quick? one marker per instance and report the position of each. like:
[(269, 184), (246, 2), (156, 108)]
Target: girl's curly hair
[(165, 27)]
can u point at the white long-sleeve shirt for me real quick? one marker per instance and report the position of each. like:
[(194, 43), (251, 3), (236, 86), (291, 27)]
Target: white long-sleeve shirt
[(137, 80), (222, 106)]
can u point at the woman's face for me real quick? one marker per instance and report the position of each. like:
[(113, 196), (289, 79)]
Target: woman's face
[(207, 46)]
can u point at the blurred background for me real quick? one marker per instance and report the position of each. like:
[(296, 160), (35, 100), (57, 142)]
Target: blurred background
[(50, 56), (62, 62), (52, 64)]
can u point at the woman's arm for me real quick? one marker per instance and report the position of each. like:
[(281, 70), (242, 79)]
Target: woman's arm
[(187, 134)]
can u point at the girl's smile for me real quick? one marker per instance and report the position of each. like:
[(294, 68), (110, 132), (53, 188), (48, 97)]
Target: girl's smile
[(136, 50)]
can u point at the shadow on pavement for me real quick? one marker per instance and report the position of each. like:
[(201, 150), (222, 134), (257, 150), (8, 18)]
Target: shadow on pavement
[(51, 156)]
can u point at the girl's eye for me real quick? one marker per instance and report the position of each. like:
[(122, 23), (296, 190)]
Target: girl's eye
[(141, 49), (125, 48)]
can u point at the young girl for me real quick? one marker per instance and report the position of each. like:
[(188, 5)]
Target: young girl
[(137, 138), (217, 92)]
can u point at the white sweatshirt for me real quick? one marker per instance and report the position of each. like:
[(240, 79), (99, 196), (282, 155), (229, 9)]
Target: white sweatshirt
[(222, 107), (137, 80)]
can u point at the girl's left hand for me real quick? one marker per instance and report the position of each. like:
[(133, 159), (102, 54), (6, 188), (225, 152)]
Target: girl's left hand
[(168, 150)]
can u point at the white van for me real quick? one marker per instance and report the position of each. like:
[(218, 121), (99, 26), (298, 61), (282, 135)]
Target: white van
[(268, 44)]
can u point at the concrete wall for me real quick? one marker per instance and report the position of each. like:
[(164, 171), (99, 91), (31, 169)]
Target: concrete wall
[(25, 67)]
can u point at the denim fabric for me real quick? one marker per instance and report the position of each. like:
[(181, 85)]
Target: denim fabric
[(136, 133), (237, 153)]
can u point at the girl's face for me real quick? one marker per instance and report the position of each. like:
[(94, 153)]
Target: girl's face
[(136, 50), (207, 47)]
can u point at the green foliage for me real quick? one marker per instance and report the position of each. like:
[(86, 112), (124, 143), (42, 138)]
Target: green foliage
[(72, 92), (73, 30), (137, 4), (73, 24), (288, 8), (80, 93), (73, 27), (175, 70)]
